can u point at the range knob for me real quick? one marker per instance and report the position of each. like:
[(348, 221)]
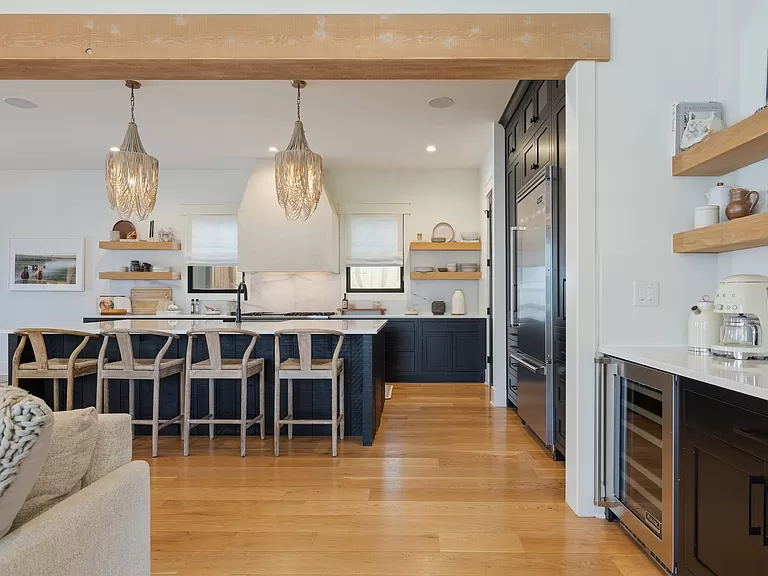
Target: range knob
[(719, 307)]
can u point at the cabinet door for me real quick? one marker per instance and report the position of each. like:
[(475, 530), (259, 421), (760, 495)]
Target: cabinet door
[(543, 100), (722, 509), (558, 89), (530, 115), (537, 153), (436, 351), (514, 135), (468, 351), (558, 157)]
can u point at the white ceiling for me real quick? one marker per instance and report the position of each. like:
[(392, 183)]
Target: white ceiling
[(226, 124)]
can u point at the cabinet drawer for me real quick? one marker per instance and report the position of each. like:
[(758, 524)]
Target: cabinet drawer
[(741, 428), (397, 340), (452, 326)]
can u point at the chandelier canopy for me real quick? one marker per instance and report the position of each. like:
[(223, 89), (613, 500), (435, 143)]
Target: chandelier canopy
[(131, 173), (298, 171)]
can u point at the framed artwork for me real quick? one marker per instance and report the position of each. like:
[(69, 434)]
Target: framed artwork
[(46, 264)]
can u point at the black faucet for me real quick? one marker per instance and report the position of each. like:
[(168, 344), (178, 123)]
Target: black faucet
[(242, 288)]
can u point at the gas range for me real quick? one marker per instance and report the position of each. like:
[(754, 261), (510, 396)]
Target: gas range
[(252, 316)]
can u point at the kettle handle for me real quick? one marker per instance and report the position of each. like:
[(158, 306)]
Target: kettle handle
[(754, 203)]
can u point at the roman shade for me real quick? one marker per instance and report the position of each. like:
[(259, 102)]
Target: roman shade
[(212, 240), (374, 239)]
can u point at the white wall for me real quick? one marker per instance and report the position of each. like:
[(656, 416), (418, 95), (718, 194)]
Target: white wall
[(741, 89)]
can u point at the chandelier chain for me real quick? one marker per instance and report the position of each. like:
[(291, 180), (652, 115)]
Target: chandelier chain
[(298, 102), (133, 104)]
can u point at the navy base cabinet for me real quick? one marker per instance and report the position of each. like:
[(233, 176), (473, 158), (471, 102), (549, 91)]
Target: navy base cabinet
[(435, 350)]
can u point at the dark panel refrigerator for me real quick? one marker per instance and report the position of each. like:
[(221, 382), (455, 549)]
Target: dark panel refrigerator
[(536, 271)]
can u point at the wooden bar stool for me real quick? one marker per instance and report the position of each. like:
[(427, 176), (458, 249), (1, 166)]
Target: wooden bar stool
[(215, 368), (54, 368), (131, 368), (307, 368)]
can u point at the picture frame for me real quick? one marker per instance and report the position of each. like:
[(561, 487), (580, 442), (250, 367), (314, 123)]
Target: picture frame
[(46, 264)]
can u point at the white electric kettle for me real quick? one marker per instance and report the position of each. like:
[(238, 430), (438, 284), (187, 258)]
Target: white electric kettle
[(703, 327)]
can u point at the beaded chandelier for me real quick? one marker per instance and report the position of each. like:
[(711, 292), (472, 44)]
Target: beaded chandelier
[(298, 171), (131, 176)]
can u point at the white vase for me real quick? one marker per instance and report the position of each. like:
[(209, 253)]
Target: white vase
[(458, 303), (719, 196)]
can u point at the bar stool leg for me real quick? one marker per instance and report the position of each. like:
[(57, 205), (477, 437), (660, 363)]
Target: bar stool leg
[(211, 401), (155, 413), (99, 395), (243, 410), (70, 392), (55, 394), (105, 401), (341, 405), (182, 399), (262, 424), (277, 414), (132, 404), (334, 415), (187, 410), (290, 408)]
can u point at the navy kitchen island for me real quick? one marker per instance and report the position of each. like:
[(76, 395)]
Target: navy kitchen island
[(363, 353)]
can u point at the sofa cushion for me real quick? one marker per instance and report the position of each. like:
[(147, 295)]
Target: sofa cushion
[(74, 437), (26, 428), (113, 449)]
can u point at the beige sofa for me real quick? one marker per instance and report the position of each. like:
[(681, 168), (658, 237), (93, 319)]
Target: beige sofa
[(100, 530)]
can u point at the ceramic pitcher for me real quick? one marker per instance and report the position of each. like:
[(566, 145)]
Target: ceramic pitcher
[(742, 203)]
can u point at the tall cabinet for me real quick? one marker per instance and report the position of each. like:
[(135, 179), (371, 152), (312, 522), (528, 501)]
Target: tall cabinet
[(534, 121)]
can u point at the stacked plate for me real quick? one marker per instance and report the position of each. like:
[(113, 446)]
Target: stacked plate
[(468, 267), (424, 269)]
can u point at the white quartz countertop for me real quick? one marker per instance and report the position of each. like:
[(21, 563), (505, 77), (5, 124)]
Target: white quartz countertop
[(348, 327), (748, 377), (425, 315)]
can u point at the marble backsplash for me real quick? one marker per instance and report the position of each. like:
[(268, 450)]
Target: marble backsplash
[(282, 292)]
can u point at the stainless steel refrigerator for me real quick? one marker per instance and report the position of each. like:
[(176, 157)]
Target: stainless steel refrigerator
[(535, 269)]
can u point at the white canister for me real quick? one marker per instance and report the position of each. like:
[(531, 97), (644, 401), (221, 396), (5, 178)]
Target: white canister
[(719, 196), (703, 327), (458, 303), (706, 216)]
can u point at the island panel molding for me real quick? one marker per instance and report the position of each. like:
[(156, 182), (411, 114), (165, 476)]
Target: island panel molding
[(280, 46)]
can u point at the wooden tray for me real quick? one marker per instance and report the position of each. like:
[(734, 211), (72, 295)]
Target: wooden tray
[(145, 300), (353, 311), (114, 312)]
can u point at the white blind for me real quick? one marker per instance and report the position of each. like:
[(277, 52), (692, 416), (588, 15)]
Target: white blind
[(212, 240), (374, 239)]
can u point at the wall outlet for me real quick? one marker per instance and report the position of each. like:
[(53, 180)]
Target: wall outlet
[(646, 294)]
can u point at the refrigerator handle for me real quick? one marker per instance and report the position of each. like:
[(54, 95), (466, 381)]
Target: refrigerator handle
[(600, 496), (542, 369)]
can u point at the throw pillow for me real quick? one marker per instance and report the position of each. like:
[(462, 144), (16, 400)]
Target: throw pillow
[(26, 428), (113, 446), (74, 437)]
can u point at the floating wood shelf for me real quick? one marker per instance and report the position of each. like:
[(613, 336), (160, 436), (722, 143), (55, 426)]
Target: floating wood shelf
[(739, 234), (449, 246), (446, 275), (737, 146), (139, 276), (108, 245)]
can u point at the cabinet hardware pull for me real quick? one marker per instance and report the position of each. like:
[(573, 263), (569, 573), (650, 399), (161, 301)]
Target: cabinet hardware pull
[(525, 363), (754, 435), (534, 119), (534, 166), (754, 481)]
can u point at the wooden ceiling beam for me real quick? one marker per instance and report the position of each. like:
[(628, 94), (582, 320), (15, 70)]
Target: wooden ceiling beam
[(333, 47)]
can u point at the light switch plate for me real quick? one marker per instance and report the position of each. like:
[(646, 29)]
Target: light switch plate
[(646, 294)]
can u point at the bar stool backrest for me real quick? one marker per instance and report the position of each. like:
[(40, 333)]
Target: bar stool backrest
[(305, 345), (213, 341), (125, 344), (36, 337)]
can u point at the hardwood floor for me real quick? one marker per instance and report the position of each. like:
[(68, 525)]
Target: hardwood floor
[(450, 487)]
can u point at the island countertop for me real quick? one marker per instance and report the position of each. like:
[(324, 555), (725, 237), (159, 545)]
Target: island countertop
[(348, 327)]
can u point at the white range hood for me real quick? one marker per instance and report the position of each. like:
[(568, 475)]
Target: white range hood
[(268, 242)]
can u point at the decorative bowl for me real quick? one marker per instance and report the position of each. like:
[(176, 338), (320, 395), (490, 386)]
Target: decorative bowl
[(470, 236)]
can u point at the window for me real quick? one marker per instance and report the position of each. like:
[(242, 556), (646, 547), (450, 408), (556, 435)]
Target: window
[(211, 253), (374, 247)]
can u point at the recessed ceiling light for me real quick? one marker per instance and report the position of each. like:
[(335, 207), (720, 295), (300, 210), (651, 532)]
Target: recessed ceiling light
[(273, 149), (440, 102), (115, 149), (431, 148), (19, 103)]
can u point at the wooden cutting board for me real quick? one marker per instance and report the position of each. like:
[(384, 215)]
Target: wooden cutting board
[(145, 300)]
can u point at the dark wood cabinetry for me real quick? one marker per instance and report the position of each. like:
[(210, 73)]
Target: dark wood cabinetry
[(535, 136), (435, 350), (723, 491)]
